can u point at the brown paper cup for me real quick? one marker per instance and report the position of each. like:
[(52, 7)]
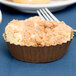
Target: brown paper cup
[(38, 54)]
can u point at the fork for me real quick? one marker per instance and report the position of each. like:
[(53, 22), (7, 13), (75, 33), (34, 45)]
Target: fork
[(0, 17), (45, 14)]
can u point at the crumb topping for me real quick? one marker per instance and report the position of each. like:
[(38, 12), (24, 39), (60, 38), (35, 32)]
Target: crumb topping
[(37, 32)]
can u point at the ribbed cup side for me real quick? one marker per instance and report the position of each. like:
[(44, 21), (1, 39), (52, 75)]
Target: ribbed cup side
[(38, 54)]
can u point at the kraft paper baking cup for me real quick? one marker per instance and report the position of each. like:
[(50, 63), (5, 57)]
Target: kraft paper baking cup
[(38, 54)]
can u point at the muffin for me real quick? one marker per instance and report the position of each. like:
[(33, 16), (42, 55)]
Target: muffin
[(32, 1), (37, 40)]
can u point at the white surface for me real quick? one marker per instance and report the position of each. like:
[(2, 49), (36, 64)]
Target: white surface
[(0, 16), (53, 5)]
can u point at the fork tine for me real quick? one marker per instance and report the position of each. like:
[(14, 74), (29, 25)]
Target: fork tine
[(40, 15), (47, 14), (43, 14), (52, 15)]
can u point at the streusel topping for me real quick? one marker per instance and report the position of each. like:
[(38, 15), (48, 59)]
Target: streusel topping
[(37, 32)]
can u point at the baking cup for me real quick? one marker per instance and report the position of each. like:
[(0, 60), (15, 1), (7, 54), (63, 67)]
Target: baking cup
[(38, 54)]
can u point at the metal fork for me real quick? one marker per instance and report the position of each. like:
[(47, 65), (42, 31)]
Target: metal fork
[(45, 14)]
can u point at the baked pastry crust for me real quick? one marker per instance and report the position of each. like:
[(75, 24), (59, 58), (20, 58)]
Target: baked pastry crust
[(32, 1)]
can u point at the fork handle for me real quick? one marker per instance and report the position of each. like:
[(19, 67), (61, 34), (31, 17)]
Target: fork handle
[(74, 30)]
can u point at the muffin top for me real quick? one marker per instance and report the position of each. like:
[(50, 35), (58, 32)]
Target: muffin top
[(37, 32)]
